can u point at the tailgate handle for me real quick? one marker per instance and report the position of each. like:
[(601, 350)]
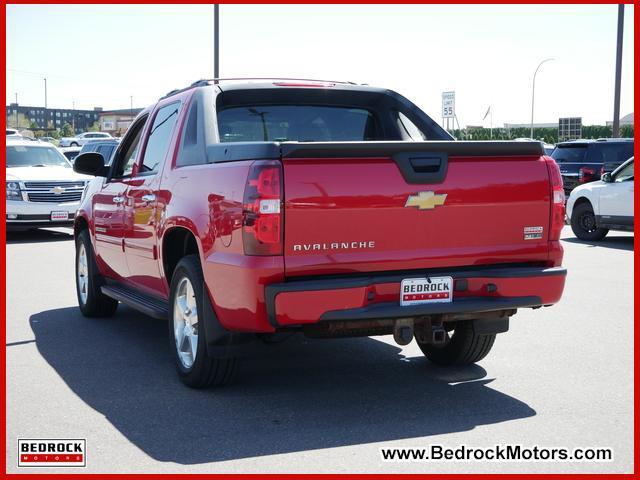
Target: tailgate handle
[(422, 167), (425, 165)]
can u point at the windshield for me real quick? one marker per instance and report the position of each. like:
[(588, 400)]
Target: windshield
[(569, 153), (24, 156), (303, 123)]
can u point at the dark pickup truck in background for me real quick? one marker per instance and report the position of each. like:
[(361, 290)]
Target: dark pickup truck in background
[(584, 161)]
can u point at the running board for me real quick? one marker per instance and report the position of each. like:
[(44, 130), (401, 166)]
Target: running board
[(152, 306)]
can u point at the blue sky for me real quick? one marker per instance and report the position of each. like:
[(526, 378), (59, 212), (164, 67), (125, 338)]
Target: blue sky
[(100, 55)]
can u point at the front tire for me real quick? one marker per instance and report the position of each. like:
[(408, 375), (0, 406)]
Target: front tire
[(584, 225), (91, 300), (195, 368), (462, 347)]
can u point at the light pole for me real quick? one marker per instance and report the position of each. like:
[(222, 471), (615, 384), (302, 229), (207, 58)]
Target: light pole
[(46, 113), (73, 116), (216, 41), (17, 126), (533, 90), (615, 131)]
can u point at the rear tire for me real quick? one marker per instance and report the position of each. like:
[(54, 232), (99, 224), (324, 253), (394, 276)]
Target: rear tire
[(91, 300), (583, 223), (195, 368), (463, 347)]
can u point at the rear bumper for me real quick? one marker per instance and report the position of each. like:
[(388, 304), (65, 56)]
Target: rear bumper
[(305, 302)]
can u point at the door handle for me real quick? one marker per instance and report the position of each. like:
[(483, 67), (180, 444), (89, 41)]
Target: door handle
[(118, 200), (150, 197)]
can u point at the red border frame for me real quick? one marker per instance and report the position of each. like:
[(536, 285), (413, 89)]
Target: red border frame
[(3, 358)]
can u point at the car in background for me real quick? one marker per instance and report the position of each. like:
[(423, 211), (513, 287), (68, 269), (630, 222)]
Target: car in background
[(70, 152), (583, 161), (13, 133), (81, 139), (48, 139), (42, 188), (597, 207), (548, 148), (106, 148)]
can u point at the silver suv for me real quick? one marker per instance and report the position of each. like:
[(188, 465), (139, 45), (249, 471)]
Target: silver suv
[(80, 140)]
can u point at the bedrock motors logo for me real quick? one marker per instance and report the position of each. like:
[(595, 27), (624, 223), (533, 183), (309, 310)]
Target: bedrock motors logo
[(44, 452)]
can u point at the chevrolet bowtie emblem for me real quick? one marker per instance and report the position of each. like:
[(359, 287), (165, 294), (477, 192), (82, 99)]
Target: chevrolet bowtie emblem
[(425, 200), (58, 190)]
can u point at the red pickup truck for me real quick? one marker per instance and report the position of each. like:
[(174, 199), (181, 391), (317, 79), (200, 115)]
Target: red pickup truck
[(238, 211)]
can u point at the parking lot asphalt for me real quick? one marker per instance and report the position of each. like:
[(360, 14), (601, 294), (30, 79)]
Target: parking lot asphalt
[(561, 377)]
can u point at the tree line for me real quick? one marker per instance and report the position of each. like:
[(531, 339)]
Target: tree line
[(547, 135)]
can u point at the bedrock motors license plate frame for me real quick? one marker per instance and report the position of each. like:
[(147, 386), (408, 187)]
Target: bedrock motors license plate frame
[(59, 216), (418, 291)]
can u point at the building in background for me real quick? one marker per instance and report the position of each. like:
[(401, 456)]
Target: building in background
[(40, 118), (569, 128), (627, 120), (116, 122), (513, 126)]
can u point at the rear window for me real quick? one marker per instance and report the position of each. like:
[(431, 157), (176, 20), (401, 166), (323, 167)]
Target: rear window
[(106, 151), (279, 123), (569, 153), (611, 152)]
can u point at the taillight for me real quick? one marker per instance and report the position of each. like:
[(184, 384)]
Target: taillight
[(586, 174), (262, 218), (556, 218)]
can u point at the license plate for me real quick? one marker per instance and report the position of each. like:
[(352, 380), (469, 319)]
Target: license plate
[(417, 291), (57, 216)]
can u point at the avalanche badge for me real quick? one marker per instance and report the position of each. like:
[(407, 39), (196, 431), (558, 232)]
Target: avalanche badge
[(425, 200)]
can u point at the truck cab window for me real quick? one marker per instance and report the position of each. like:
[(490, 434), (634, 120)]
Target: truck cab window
[(159, 137), (131, 145)]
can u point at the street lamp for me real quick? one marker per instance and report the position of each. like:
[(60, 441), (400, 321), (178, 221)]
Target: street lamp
[(533, 90), (216, 41)]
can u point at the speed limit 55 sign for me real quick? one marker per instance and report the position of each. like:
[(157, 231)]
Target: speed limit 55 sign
[(448, 104)]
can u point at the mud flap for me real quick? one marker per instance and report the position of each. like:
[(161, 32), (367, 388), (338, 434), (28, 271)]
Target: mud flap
[(492, 325), (220, 342)]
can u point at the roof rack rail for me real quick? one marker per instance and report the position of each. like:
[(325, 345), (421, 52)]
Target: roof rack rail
[(209, 81), (278, 79)]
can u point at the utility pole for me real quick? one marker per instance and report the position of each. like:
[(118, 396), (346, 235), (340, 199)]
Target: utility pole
[(73, 116), (46, 113), (533, 90), (216, 41), (616, 99), (17, 126)]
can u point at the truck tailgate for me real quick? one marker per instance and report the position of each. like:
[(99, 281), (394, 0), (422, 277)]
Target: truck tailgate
[(397, 206)]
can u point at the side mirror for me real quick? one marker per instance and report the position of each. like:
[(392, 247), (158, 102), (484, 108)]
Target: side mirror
[(90, 163), (606, 177)]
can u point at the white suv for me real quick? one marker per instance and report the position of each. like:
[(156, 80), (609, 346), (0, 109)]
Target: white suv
[(42, 188), (80, 140), (597, 207)]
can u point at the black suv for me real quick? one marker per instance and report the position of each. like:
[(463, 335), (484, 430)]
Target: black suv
[(583, 161), (103, 147)]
